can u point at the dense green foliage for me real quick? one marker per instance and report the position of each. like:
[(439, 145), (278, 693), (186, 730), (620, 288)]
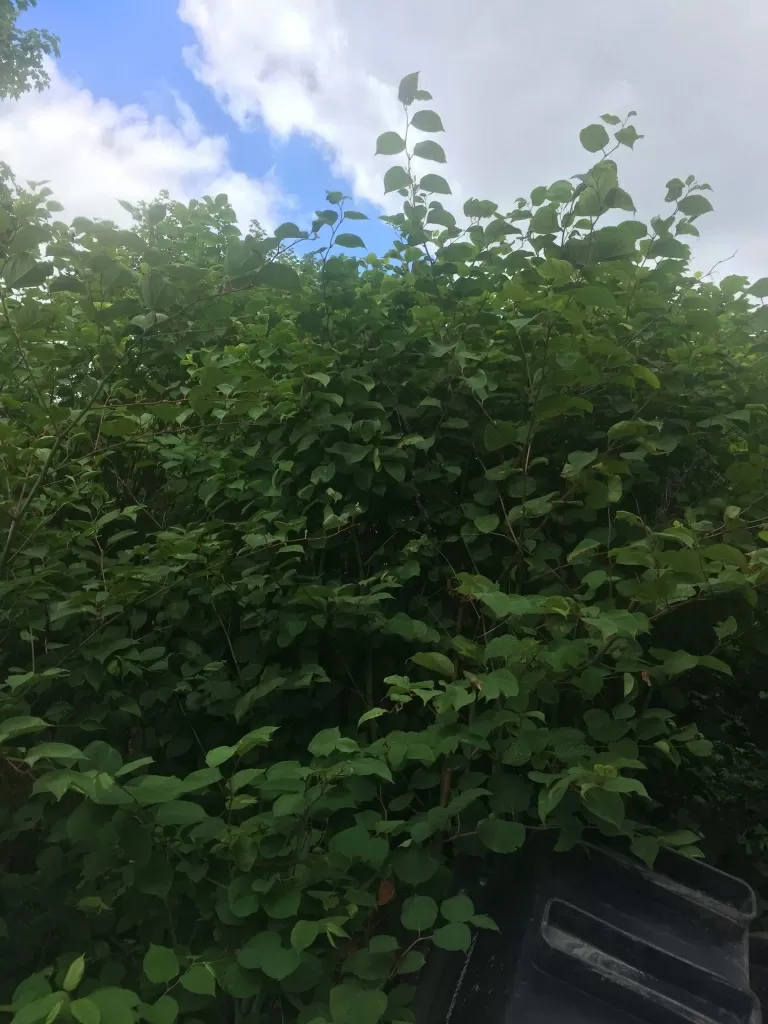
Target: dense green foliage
[(318, 572)]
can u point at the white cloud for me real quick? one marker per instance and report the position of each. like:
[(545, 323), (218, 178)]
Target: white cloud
[(514, 83), (95, 152)]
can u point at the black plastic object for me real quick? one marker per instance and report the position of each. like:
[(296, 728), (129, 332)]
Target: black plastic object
[(593, 937)]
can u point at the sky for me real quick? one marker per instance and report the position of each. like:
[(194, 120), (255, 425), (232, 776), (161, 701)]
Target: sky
[(276, 101)]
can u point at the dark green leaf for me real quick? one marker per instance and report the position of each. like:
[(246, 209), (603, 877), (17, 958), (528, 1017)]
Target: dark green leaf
[(594, 138), (434, 183), (453, 936), (429, 150), (160, 964), (435, 662), (427, 121), (396, 178), (349, 241), (353, 1005), (409, 86), (694, 206), (605, 805), (289, 230), (419, 913), (20, 726), (501, 836), (84, 1011), (457, 908), (200, 980), (279, 275), (627, 136), (180, 812), (389, 143), (25, 271)]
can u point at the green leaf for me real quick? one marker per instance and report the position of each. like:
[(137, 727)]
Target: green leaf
[(457, 908), (760, 288), (353, 1005), (597, 296), (355, 215), (726, 628), (180, 812), (155, 789), (700, 748), (434, 183), (84, 1011), (368, 716), (280, 276), (409, 86), (115, 1005), (389, 143), (427, 121), (453, 936), (325, 742), (646, 374), (725, 553), (620, 784), (577, 462), (24, 271), (486, 524), (20, 726), (54, 752), (264, 951), (304, 934), (412, 961), (396, 178), (694, 206), (255, 738), (716, 664), (199, 979), (545, 220), (646, 848), (429, 150), (414, 865), (289, 230), (605, 805), (219, 755), (618, 199), (419, 913), (160, 964), (284, 905), (584, 547), (74, 974), (501, 836), (165, 1010), (499, 435), (594, 138), (349, 241), (627, 136), (682, 838), (46, 1008), (155, 214), (146, 321), (279, 963), (435, 662), (483, 921)]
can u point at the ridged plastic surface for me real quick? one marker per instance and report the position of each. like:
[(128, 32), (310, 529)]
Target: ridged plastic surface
[(592, 937)]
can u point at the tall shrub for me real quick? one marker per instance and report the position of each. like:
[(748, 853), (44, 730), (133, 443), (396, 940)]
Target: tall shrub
[(317, 572)]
